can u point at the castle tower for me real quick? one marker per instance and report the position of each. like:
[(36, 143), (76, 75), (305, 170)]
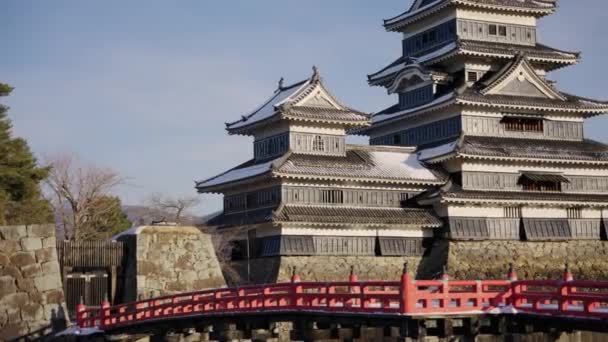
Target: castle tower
[(309, 200), (474, 97)]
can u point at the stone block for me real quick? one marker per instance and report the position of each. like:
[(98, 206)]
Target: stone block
[(14, 300), (13, 330), (31, 243), (41, 231), (187, 277), (3, 318), (12, 232), (46, 254), (32, 312), (51, 267), (9, 246), (26, 285), (4, 260), (49, 242), (21, 259), (48, 282), (7, 285), (53, 297), (11, 270), (31, 271), (13, 314)]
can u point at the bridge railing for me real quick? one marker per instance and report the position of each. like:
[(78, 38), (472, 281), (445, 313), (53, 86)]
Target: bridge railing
[(407, 297)]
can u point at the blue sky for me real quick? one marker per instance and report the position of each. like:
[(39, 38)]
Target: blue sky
[(144, 87)]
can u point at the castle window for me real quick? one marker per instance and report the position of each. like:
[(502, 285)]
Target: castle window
[(532, 181), (472, 76), (575, 213), (252, 200), (318, 145), (522, 124), (493, 29), (512, 212), (502, 31), (332, 196)]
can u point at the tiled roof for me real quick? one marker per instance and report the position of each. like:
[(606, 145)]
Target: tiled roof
[(239, 219), (454, 193), (370, 163), (571, 104), (421, 9), (357, 216), (586, 150), (293, 102), (539, 53), (248, 170), (523, 196), (361, 163), (324, 114)]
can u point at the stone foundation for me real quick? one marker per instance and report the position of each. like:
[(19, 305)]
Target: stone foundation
[(169, 260), (464, 259), (532, 260), (327, 268), (31, 293)]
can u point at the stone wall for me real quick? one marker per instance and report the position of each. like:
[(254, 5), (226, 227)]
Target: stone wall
[(327, 268), (30, 279), (464, 259), (168, 260), (532, 260)]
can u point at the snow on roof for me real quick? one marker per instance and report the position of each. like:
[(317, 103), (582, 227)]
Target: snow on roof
[(411, 13), (135, 230), (437, 101), (268, 109), (238, 174), (401, 164), (437, 151), (419, 60)]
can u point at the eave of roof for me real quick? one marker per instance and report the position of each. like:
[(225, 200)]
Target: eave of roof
[(540, 198), (286, 104), (329, 215), (538, 54), (412, 15)]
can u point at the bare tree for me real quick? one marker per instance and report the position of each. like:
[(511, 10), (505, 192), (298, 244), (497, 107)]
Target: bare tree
[(77, 190), (173, 209)]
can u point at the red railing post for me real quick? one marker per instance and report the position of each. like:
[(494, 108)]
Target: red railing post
[(445, 288), (295, 278), (296, 289), (407, 302), (564, 289), (513, 288), (352, 278), (81, 314), (105, 313)]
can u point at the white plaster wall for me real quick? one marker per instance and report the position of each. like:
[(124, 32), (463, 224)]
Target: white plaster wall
[(569, 170), (462, 13)]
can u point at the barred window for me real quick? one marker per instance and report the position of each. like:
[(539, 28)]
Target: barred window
[(318, 144), (472, 76), (332, 196), (523, 124), (575, 213), (512, 212)]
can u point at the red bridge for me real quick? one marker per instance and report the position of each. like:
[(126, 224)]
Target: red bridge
[(408, 297)]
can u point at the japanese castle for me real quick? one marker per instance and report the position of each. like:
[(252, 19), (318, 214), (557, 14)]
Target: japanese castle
[(479, 146)]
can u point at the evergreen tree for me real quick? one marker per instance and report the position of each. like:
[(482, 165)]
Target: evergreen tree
[(21, 200), (104, 219)]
